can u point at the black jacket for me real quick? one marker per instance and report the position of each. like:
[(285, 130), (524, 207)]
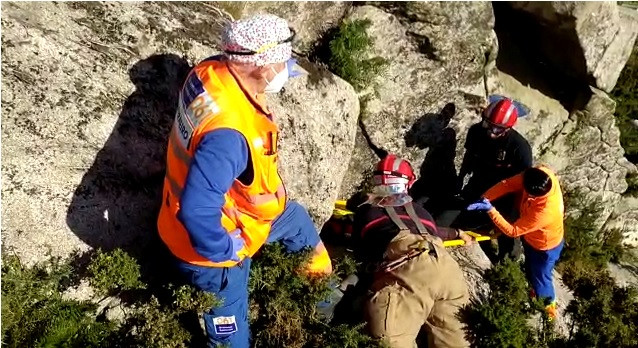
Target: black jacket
[(492, 160), (373, 230)]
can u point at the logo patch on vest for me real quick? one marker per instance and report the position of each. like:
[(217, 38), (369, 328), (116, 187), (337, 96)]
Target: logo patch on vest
[(225, 325), (195, 105)]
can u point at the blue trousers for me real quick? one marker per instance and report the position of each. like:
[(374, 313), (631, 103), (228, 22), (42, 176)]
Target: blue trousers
[(539, 267), (228, 324)]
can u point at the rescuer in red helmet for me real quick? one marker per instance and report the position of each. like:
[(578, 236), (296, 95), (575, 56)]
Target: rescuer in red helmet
[(494, 151), (412, 280)]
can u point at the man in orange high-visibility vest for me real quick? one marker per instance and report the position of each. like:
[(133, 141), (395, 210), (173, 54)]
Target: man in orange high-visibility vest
[(223, 197)]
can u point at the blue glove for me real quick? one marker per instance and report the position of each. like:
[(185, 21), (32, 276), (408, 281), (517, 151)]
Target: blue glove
[(290, 65), (238, 244), (480, 205)]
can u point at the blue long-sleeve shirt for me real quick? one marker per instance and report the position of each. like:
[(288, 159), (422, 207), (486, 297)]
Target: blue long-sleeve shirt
[(220, 158)]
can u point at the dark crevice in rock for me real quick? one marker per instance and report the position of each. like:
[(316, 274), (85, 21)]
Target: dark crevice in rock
[(522, 41), (381, 153), (424, 46)]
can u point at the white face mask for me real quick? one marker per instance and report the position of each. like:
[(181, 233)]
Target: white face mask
[(277, 82)]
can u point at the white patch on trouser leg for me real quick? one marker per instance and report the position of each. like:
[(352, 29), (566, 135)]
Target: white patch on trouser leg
[(225, 325)]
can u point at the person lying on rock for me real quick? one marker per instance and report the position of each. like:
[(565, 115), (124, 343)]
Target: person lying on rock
[(494, 151), (540, 224), (415, 283), (223, 197)]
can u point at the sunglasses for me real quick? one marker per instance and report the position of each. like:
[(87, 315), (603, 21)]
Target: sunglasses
[(265, 47), (494, 129)]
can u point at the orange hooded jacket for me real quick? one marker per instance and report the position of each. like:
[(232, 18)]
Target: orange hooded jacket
[(541, 218)]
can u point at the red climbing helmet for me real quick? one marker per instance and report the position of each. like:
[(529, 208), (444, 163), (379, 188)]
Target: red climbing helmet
[(501, 114), (394, 173)]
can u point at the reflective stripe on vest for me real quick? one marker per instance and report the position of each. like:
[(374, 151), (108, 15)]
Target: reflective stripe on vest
[(180, 153), (175, 189)]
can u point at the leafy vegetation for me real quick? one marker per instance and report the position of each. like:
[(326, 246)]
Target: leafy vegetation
[(349, 55), (113, 272), (34, 313), (586, 246), (283, 304), (626, 96), (632, 183), (501, 320), (603, 314)]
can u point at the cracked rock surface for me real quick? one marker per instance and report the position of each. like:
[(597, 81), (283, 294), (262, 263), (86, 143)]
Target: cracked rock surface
[(89, 92)]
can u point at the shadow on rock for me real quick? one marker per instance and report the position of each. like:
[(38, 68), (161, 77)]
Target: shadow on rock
[(117, 202), (437, 175), (523, 39)]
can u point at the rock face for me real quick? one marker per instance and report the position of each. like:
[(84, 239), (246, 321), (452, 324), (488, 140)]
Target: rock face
[(595, 164), (625, 218), (437, 53), (317, 115), (89, 93), (310, 19), (87, 103), (571, 126), (599, 37)]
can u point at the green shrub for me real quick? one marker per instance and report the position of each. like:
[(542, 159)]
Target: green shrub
[(153, 326), (346, 266), (283, 301), (501, 320), (585, 243), (34, 314), (632, 184), (604, 314), (626, 96), (114, 272), (187, 298), (349, 51)]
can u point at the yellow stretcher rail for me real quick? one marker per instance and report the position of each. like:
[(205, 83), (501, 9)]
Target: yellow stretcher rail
[(341, 211)]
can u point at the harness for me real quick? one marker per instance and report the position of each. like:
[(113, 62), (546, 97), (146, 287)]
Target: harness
[(417, 248)]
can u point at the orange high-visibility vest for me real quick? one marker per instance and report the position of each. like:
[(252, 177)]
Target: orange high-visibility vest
[(212, 99)]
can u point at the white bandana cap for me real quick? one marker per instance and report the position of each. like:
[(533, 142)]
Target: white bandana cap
[(263, 39)]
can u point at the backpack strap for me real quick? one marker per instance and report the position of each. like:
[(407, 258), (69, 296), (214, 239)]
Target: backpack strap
[(395, 218), (409, 208)]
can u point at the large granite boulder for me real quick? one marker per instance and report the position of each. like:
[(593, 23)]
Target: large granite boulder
[(590, 40), (88, 96), (583, 147), (587, 154), (310, 19), (437, 53)]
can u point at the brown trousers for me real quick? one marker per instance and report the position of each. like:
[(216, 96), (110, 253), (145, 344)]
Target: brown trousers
[(425, 292)]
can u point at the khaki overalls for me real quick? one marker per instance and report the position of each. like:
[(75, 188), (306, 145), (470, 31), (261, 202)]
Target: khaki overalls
[(418, 285)]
